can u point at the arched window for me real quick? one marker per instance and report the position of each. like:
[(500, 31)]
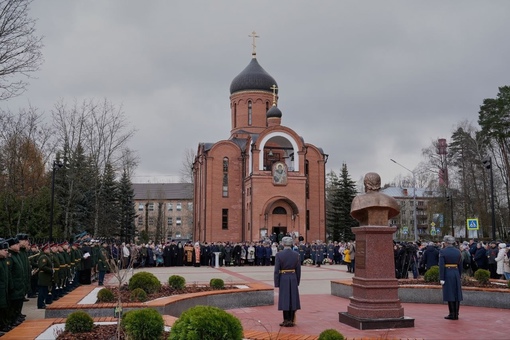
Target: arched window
[(225, 177), (279, 211), (249, 112)]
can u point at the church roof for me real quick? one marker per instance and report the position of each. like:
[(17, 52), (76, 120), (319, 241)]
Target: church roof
[(253, 77), (169, 191)]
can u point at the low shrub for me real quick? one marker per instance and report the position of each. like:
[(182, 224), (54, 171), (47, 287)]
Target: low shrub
[(177, 282), (105, 295), (432, 274), (145, 280), (141, 324), (482, 276), (331, 334), (217, 283), (138, 295), (206, 323), (79, 322)]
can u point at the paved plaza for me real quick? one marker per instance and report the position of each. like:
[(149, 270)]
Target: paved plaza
[(320, 309)]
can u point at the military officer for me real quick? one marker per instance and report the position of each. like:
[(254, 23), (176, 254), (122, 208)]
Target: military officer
[(68, 268), (33, 255), (102, 264), (18, 288), (450, 270), (5, 263), (23, 253), (44, 276)]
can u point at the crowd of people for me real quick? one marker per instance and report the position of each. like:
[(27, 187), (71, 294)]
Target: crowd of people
[(419, 257), (176, 253), (49, 271), (45, 272)]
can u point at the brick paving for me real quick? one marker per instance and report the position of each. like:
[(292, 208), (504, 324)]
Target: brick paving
[(319, 310)]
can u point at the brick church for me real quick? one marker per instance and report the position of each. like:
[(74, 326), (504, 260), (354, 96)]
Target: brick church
[(264, 178)]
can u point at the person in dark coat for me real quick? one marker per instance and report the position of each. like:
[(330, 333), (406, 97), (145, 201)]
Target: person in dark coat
[(85, 275), (166, 254), (430, 256), (450, 270), (287, 275), (480, 257)]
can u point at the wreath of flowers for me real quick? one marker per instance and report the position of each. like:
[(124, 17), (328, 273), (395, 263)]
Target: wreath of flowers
[(308, 261), (327, 260)]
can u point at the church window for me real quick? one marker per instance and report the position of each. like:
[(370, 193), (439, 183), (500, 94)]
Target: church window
[(307, 220), (224, 218), (235, 114), (249, 112), (170, 206), (178, 206), (170, 221), (267, 106), (225, 177), (279, 211), (178, 221), (150, 206)]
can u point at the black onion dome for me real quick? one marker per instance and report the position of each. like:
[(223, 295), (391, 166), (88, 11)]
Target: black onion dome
[(274, 112), (253, 77)]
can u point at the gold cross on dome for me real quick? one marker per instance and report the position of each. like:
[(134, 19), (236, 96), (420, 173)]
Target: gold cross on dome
[(274, 88), (254, 45)]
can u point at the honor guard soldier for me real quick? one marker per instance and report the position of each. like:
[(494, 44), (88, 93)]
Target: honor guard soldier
[(287, 275), (62, 271), (5, 270), (69, 264), (450, 270), (44, 276)]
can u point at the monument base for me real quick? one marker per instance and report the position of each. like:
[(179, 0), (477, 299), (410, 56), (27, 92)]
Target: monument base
[(365, 323)]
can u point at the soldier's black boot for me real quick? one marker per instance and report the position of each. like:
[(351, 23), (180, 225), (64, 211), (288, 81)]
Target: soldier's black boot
[(285, 318), (49, 299), (451, 305), (456, 310)]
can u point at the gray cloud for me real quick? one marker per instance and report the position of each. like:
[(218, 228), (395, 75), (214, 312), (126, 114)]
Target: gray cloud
[(366, 81)]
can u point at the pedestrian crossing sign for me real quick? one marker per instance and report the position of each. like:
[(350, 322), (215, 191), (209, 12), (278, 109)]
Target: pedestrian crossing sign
[(472, 224)]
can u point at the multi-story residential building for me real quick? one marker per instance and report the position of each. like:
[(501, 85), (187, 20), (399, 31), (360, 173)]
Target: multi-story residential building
[(164, 210), (404, 222)]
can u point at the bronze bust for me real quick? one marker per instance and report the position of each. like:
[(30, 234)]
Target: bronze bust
[(374, 208)]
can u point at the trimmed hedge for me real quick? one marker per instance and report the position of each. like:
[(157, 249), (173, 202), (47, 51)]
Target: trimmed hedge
[(146, 281), (79, 322), (142, 324)]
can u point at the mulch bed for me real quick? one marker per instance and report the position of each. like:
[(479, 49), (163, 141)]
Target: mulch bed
[(100, 332), (107, 332), (165, 291)]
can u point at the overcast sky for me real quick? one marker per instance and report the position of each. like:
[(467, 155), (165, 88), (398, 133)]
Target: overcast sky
[(364, 80)]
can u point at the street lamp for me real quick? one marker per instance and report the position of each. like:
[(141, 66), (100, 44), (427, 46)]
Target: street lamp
[(56, 165), (414, 200), (488, 165)]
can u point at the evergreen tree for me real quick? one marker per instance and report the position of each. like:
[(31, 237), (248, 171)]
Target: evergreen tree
[(126, 207), (341, 192), (109, 208)]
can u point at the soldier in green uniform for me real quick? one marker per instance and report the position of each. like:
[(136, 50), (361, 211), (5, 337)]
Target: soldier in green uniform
[(18, 284), (44, 276), (69, 264), (33, 256), (5, 263), (76, 255), (23, 253), (102, 264), (54, 295), (95, 259), (62, 271)]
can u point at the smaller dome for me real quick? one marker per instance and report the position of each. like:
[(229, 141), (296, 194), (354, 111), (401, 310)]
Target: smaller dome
[(274, 112)]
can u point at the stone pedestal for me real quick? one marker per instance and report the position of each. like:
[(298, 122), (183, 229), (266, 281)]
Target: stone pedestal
[(375, 303), (217, 259)]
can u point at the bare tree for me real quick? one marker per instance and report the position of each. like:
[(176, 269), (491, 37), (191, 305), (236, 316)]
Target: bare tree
[(186, 170), (20, 48)]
